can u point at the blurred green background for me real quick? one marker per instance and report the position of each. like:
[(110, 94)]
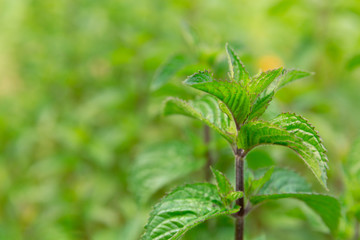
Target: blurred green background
[(81, 91)]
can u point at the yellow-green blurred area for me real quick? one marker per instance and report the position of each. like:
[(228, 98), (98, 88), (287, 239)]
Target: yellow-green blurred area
[(78, 106)]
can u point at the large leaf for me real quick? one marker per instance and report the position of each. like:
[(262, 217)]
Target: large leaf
[(237, 69), (284, 181), (205, 109), (231, 92), (312, 149), (327, 207), (291, 132), (158, 165), (183, 209), (288, 184)]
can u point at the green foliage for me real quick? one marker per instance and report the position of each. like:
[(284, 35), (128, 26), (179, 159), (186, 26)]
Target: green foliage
[(226, 191), (159, 164), (287, 184), (291, 131), (327, 207), (183, 209), (205, 109)]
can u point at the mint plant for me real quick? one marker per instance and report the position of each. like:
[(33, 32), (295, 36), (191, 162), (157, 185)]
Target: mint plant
[(232, 108)]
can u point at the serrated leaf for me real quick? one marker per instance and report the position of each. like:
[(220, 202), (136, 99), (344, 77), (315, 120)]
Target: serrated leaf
[(291, 131), (224, 185), (260, 105), (158, 165), (231, 93), (183, 209), (312, 149), (167, 70), (234, 196), (292, 75), (237, 68), (327, 207), (273, 84), (261, 82), (205, 109)]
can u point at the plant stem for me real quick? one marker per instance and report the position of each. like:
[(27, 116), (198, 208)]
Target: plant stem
[(209, 158), (239, 222)]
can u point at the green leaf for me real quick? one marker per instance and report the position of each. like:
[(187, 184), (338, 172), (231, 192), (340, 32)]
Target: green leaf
[(237, 69), (261, 82), (167, 70), (224, 185), (205, 109), (258, 183), (230, 92), (183, 209), (327, 207), (291, 131), (292, 75), (260, 105), (234, 196), (284, 181), (272, 85), (158, 165), (288, 184), (312, 150)]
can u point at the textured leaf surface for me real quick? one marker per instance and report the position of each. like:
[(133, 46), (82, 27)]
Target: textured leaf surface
[(312, 149), (205, 109), (224, 186), (291, 131), (230, 92), (167, 70), (292, 75), (261, 82), (327, 207), (288, 184), (237, 68), (158, 165), (183, 209), (271, 85)]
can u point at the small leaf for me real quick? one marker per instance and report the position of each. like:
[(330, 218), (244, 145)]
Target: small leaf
[(327, 207), (183, 209), (237, 69), (205, 109), (259, 182), (260, 105), (158, 165), (261, 82), (229, 92), (224, 185), (234, 196), (292, 75), (167, 70)]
